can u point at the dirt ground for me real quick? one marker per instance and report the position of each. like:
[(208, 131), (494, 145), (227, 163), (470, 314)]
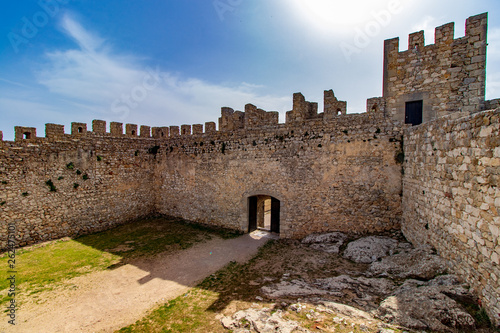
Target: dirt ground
[(109, 300)]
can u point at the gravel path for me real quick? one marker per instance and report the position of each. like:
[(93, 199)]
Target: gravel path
[(109, 300)]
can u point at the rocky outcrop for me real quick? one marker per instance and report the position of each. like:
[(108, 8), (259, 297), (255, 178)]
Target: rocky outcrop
[(329, 243), (428, 305), (369, 249), (262, 321), (419, 263)]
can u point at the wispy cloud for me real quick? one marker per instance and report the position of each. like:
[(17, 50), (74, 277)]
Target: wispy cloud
[(13, 83), (428, 25), (98, 76), (95, 81)]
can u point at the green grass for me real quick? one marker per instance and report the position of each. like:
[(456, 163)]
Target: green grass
[(187, 313), (44, 267), (147, 237), (39, 269)]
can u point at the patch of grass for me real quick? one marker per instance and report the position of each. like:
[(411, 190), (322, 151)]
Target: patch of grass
[(482, 318), (78, 172), (152, 236), (3, 203), (75, 185), (70, 166), (4, 182), (85, 177), (25, 194), (99, 158), (187, 313), (60, 178), (43, 267)]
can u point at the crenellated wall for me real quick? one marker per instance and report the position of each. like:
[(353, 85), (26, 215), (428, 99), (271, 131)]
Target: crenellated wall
[(66, 185), (451, 196), (330, 172), (448, 76), (340, 175)]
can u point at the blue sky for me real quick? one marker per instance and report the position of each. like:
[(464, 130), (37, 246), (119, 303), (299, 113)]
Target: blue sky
[(174, 62)]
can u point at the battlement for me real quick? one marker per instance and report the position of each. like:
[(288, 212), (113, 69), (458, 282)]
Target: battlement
[(230, 121), (475, 32), (445, 77)]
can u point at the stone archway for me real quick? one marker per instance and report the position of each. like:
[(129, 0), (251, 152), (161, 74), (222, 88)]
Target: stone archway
[(263, 213)]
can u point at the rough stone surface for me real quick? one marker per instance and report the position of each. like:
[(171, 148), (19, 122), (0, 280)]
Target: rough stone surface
[(338, 286), (262, 321), (337, 171), (419, 263), (451, 197), (453, 71), (295, 288), (369, 249), (427, 306), (363, 287), (330, 242), (347, 310)]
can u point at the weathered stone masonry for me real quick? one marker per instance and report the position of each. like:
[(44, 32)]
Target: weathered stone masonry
[(327, 173), (97, 181), (448, 76), (451, 196)]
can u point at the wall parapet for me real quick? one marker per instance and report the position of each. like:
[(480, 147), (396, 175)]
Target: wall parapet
[(303, 112)]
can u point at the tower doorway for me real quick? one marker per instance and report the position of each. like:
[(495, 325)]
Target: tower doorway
[(263, 213), (413, 112)]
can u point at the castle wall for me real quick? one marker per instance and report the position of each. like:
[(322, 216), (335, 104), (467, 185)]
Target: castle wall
[(451, 197), (337, 175), (448, 76), (70, 185)]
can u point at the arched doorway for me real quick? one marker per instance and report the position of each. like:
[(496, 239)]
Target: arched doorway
[(263, 213)]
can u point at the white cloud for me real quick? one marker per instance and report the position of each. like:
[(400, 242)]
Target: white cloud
[(492, 67), (85, 40), (92, 81), (428, 24)]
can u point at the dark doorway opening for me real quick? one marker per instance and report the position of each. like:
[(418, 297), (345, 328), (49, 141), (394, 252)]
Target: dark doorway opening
[(413, 112), (263, 213)]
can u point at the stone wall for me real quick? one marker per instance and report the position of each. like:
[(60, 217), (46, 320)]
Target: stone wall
[(66, 185), (451, 196), (330, 173), (339, 175), (448, 76)]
